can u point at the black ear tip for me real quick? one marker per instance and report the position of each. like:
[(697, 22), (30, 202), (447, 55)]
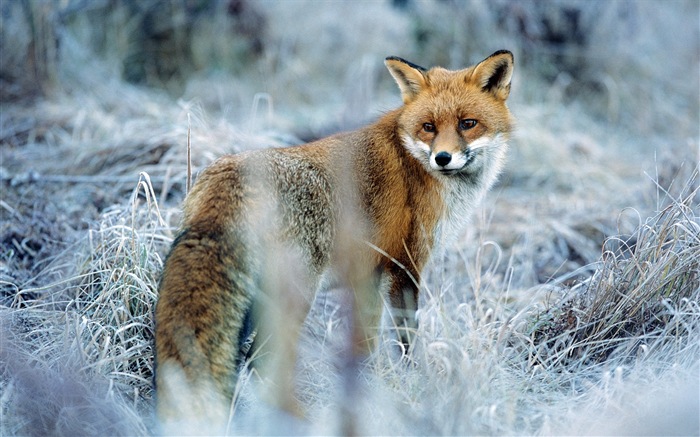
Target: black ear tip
[(403, 61), (502, 52)]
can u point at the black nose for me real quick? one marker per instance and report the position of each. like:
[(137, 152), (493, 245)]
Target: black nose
[(443, 158)]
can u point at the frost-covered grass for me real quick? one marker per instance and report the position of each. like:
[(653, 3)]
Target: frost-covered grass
[(571, 306)]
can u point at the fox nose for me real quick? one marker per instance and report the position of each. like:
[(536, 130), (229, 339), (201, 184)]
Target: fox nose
[(443, 158)]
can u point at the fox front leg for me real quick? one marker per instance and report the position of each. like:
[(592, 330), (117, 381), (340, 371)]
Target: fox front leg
[(403, 298)]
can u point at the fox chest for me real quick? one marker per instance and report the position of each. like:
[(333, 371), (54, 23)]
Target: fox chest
[(460, 200)]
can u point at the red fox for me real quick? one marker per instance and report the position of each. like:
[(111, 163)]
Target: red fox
[(366, 207)]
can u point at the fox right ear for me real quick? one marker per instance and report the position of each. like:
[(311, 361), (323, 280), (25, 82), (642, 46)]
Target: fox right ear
[(494, 73), (409, 76)]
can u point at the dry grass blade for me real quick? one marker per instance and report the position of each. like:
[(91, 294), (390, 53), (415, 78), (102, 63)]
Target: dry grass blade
[(189, 155)]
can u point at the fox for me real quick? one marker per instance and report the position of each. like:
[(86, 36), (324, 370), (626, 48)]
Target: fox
[(367, 208)]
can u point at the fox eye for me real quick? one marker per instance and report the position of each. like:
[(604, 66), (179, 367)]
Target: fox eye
[(467, 123), (429, 127)]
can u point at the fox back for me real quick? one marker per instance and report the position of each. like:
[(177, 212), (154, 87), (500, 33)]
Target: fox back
[(263, 231)]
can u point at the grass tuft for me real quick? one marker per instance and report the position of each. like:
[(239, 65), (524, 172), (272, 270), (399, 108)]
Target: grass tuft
[(643, 294), (91, 334)]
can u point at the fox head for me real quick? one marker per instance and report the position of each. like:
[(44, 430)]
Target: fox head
[(455, 122)]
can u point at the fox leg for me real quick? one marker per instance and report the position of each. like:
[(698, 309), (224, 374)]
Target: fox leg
[(275, 353), (367, 313), (279, 312), (403, 298)]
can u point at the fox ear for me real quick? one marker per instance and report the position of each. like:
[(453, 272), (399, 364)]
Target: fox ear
[(493, 74), (410, 77)]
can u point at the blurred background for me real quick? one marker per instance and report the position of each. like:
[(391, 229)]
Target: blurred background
[(631, 63)]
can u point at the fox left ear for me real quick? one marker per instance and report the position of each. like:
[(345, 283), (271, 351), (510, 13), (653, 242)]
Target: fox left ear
[(409, 76), (494, 73)]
